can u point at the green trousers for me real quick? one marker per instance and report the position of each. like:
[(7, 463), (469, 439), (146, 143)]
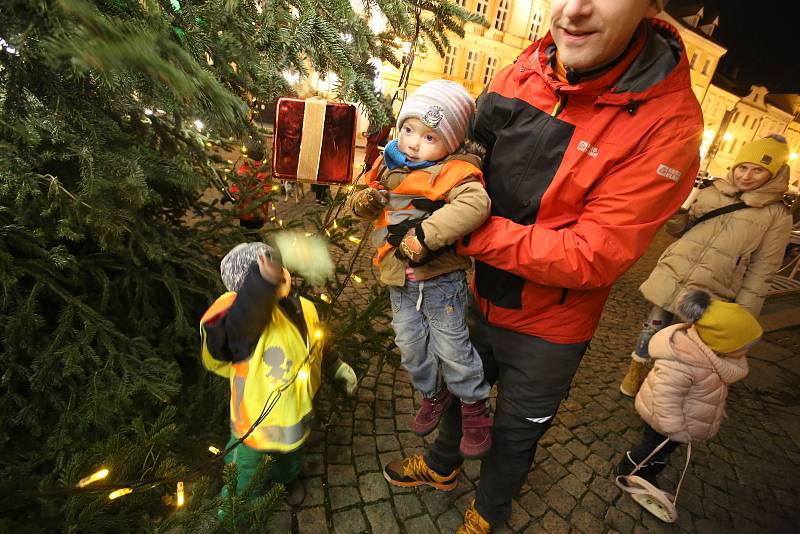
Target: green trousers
[(285, 467)]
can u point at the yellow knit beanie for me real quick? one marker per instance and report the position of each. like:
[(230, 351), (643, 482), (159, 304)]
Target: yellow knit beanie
[(769, 152), (724, 326)]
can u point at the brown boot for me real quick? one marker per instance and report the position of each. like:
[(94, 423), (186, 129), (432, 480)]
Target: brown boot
[(473, 523), (634, 377)]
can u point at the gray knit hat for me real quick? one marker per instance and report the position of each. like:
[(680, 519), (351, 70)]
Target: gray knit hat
[(237, 262), (441, 105)]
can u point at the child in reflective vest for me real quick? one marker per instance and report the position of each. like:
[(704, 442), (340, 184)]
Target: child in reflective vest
[(268, 343), (425, 196)]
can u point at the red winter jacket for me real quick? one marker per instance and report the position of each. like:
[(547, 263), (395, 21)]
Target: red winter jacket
[(581, 177)]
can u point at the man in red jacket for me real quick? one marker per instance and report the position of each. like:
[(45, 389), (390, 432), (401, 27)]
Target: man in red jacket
[(592, 140)]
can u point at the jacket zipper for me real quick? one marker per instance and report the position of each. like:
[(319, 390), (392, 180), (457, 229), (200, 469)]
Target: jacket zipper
[(561, 103)]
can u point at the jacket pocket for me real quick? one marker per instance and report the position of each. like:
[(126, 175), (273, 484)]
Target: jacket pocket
[(500, 287)]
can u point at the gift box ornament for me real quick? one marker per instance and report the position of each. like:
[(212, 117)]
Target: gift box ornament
[(314, 141)]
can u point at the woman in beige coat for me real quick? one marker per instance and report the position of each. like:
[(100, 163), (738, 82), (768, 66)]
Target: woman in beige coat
[(732, 255), (683, 397)]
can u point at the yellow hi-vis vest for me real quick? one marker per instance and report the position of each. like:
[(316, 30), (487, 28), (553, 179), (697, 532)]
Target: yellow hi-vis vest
[(280, 354)]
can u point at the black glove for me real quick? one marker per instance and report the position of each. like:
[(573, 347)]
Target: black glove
[(398, 231)]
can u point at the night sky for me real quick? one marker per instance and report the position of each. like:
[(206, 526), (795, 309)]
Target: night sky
[(762, 38)]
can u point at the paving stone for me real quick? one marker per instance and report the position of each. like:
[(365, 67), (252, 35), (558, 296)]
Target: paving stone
[(363, 445), (578, 449), (403, 406), (381, 518), (338, 454), (387, 443), (341, 475), (581, 471), (373, 487), (407, 505), (560, 454), (349, 522), (586, 522), (619, 521), (519, 517), (315, 491), (573, 486), (533, 504), (312, 520), (554, 524), (313, 464), (561, 501), (364, 411), (384, 408), (408, 440), (364, 464), (449, 521), (342, 497), (605, 489), (340, 435), (384, 426), (420, 524), (363, 427)]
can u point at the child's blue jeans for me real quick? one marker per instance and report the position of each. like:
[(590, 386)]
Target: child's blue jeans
[(429, 321)]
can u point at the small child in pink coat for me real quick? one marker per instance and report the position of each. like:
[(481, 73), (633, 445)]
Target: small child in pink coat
[(683, 397)]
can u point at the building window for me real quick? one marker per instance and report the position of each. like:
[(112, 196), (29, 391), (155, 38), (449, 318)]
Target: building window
[(472, 65), (536, 23), (706, 65), (733, 146), (450, 60), (693, 61), (746, 119), (502, 14), (491, 69), (481, 6), (735, 116), (462, 3)]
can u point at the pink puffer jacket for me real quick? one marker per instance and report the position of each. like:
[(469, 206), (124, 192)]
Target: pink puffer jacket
[(684, 395)]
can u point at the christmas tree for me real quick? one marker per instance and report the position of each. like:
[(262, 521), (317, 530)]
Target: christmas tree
[(108, 253)]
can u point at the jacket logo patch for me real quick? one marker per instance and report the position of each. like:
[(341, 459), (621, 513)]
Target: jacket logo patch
[(668, 172), (588, 149)]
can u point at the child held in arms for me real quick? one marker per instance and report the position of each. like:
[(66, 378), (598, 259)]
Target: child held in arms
[(425, 193), (265, 339)]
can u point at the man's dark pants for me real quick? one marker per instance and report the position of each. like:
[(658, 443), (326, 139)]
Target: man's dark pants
[(533, 376)]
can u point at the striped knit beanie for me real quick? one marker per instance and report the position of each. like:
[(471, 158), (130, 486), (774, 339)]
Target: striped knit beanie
[(237, 262), (443, 106)]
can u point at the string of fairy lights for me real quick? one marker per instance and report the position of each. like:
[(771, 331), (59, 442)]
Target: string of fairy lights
[(91, 483)]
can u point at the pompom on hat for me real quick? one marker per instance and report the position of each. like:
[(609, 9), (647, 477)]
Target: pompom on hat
[(724, 326), (444, 106), (237, 262), (770, 152)]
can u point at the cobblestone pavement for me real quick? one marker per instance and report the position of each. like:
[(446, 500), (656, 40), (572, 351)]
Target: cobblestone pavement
[(744, 480)]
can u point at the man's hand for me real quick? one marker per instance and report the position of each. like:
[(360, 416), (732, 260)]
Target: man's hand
[(369, 202)]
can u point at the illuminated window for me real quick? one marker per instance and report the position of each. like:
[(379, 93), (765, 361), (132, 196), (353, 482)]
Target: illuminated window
[(450, 60), (536, 23), (481, 6), (491, 69), (472, 64), (502, 14)]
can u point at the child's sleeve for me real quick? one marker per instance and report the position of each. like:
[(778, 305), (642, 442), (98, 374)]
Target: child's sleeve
[(467, 207), (231, 331)]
